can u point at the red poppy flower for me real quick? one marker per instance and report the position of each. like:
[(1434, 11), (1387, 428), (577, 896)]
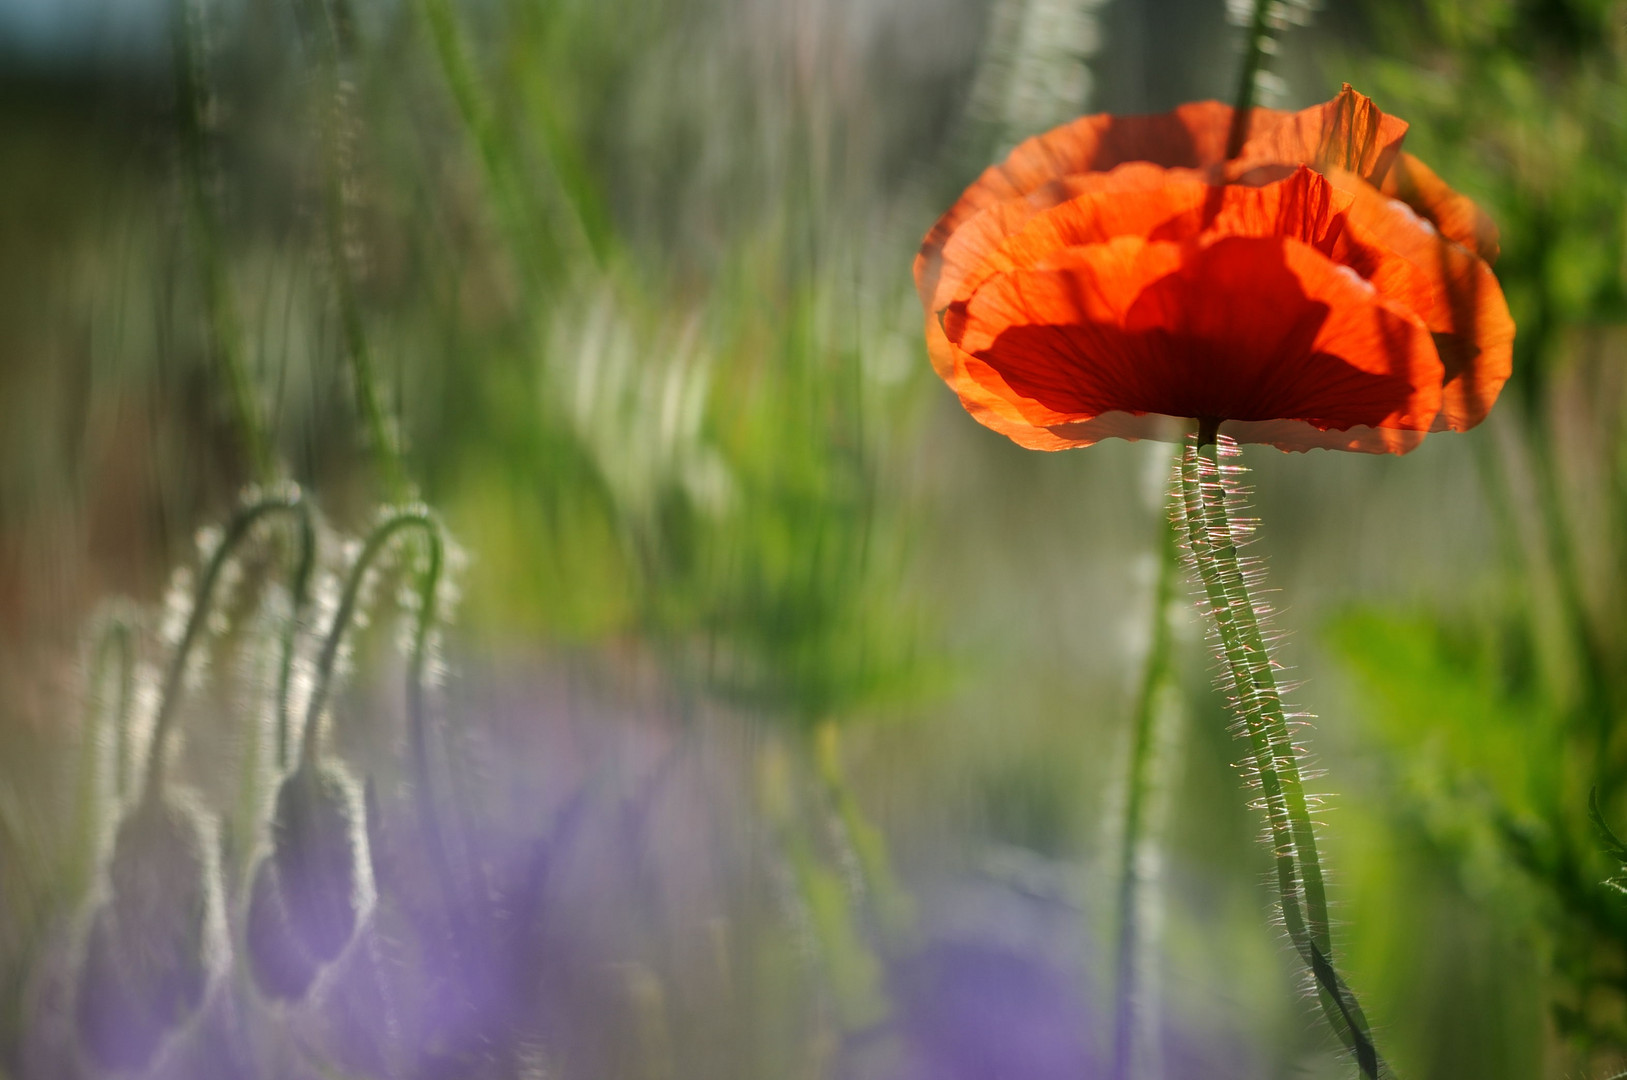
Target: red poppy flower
[(1320, 288)]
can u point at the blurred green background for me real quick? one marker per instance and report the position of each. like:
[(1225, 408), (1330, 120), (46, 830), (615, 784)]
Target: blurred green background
[(633, 280)]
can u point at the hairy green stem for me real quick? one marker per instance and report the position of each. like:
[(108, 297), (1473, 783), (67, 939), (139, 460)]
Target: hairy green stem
[(1235, 656), (414, 518), (225, 326), (299, 595), (1212, 544), (1140, 770), (418, 519), (241, 524)]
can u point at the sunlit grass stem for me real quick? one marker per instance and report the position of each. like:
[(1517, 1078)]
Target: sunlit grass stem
[(383, 437), (1598, 704), (1212, 545), (225, 324), (851, 971), (112, 661), (1140, 771), (535, 247), (891, 901)]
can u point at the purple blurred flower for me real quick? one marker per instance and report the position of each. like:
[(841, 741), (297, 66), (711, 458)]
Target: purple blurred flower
[(977, 1010), (995, 991)]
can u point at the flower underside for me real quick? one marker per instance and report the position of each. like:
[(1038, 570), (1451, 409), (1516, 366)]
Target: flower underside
[(1115, 273)]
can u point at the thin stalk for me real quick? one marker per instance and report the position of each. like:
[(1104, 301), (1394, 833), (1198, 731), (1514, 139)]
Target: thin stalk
[(1204, 491), (225, 326), (452, 50), (1598, 699), (1254, 49), (299, 595), (120, 635), (892, 903), (853, 973), (238, 529), (382, 437), (1143, 744), (1235, 657), (115, 645)]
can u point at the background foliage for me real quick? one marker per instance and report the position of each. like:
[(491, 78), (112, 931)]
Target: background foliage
[(815, 693)]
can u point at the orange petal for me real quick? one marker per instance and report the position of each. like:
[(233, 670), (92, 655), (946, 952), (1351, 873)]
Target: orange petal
[(1132, 200), (1100, 283), (1347, 133), (1131, 427), (1456, 216), (1298, 435), (1302, 206), (1464, 306), (988, 407), (1135, 200), (1193, 136), (1246, 328)]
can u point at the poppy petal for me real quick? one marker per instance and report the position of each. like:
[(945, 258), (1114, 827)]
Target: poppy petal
[(1347, 133), (1085, 302), (1138, 199), (1463, 307), (1455, 215), (1244, 329), (1133, 198), (1193, 136), (1299, 436), (1117, 270), (989, 407), (1301, 205)]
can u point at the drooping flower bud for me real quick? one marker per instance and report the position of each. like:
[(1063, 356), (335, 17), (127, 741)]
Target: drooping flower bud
[(282, 967), (155, 940), (309, 893)]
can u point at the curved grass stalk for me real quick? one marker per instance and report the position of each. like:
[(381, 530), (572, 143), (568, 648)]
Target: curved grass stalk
[(1142, 763), (237, 530), (1212, 545)]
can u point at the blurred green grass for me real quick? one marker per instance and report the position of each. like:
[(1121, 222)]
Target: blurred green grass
[(634, 276)]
